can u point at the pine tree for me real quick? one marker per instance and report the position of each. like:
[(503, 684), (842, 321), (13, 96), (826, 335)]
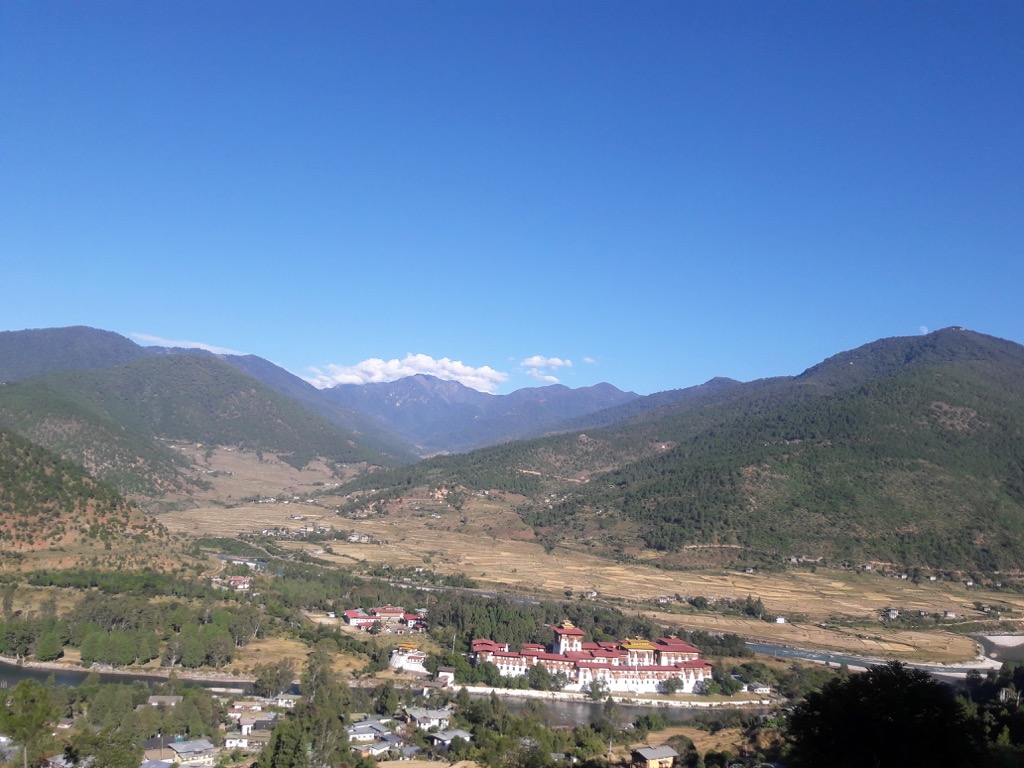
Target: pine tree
[(26, 719), (287, 748)]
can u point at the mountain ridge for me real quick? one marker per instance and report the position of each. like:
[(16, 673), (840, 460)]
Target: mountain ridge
[(906, 449), (914, 454), (443, 416), (450, 416)]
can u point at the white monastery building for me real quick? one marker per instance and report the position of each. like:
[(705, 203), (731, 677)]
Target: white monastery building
[(633, 666)]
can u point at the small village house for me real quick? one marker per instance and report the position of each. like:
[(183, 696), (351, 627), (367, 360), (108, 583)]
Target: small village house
[(654, 757)]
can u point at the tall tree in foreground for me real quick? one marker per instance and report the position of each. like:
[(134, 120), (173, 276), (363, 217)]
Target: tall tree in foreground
[(27, 717), (890, 716), (287, 748), (324, 710)]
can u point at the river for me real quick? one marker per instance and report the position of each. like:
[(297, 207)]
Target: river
[(558, 713), (824, 657), (12, 674)]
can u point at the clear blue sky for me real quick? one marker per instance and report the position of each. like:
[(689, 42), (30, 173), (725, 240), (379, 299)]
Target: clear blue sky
[(655, 192)]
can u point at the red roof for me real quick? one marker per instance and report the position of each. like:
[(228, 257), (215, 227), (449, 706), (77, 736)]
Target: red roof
[(487, 645), (552, 657), (675, 645), (608, 654), (570, 631)]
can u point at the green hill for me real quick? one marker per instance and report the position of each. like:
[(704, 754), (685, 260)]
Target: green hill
[(54, 514), (24, 354), (111, 420), (909, 450)]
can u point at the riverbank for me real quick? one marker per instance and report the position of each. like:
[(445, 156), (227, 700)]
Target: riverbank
[(981, 662), (624, 699), (1003, 647), (159, 673)]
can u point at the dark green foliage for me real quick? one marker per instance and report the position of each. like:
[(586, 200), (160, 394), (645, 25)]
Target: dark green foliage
[(387, 700), (323, 712), (273, 678), (26, 712), (134, 582), (35, 483), (231, 546), (111, 748), (887, 716), (288, 747), (55, 416)]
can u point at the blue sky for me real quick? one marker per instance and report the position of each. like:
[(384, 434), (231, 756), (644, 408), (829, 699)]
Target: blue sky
[(512, 193)]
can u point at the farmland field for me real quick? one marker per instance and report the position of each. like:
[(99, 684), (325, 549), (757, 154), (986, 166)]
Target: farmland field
[(486, 541)]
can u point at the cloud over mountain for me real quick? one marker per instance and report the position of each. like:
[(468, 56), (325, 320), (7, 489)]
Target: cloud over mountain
[(376, 370), (542, 368)]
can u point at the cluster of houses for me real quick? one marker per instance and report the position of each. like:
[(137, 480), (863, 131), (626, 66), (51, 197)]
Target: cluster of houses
[(390, 737), (281, 532), (232, 583), (388, 618), (632, 665), (253, 720)]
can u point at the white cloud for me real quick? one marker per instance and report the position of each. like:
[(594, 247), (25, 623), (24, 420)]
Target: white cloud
[(540, 367), (590, 360), (546, 363), (376, 370), (146, 338), (547, 378)]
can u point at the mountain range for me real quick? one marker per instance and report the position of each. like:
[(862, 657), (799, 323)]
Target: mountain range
[(907, 450), (97, 397)]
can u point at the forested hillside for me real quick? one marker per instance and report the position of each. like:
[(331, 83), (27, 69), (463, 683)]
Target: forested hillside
[(904, 450), (446, 416), (53, 512), (109, 420), (24, 354)]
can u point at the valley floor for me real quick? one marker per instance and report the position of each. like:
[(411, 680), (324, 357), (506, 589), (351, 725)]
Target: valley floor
[(824, 608)]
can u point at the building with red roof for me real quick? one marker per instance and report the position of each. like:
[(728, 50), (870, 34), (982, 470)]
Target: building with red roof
[(633, 665)]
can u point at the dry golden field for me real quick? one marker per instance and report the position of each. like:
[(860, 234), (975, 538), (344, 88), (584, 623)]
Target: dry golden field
[(731, 739), (487, 541)]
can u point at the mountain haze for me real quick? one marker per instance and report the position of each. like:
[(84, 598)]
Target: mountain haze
[(446, 416), (24, 354), (396, 421)]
